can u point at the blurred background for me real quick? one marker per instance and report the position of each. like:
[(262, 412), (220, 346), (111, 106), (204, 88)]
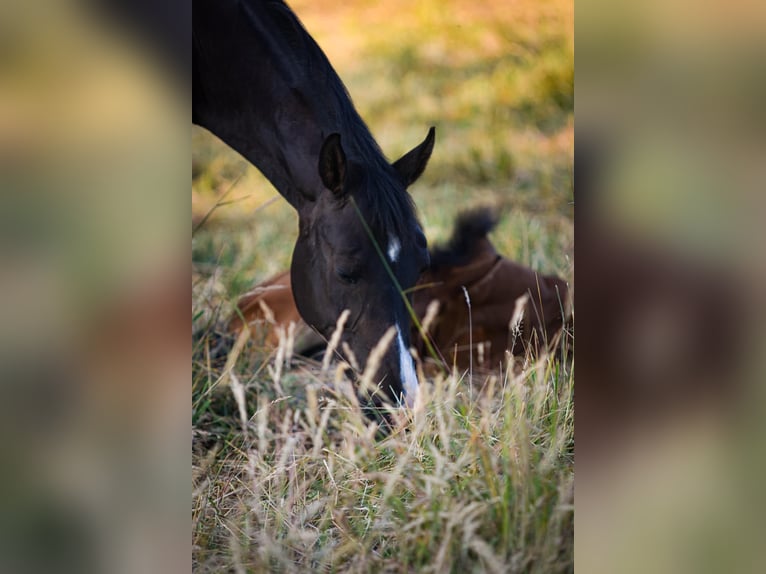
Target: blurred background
[(94, 264), (670, 245)]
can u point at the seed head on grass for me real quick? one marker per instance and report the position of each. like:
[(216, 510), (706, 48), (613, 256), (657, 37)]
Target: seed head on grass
[(334, 340), (374, 360)]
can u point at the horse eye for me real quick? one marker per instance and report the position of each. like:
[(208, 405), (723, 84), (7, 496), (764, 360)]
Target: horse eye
[(348, 277)]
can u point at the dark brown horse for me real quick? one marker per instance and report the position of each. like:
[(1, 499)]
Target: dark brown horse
[(263, 86)]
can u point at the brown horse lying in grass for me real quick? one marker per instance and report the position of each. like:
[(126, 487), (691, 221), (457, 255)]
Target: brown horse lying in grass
[(486, 304)]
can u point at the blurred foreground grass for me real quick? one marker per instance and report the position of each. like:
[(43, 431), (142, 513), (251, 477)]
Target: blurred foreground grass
[(480, 483)]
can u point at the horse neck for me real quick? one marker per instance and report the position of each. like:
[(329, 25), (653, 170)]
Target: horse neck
[(262, 85)]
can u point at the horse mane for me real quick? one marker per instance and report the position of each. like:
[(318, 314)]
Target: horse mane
[(470, 227), (388, 205)]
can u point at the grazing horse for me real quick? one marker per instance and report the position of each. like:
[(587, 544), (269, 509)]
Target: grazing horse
[(262, 85)]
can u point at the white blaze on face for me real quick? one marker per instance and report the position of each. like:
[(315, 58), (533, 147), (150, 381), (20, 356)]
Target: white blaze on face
[(407, 370), (394, 247)]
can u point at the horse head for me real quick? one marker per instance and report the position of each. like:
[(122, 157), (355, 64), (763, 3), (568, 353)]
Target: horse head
[(360, 248)]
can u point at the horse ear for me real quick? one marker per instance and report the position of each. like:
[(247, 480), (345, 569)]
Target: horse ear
[(332, 164), (411, 165)]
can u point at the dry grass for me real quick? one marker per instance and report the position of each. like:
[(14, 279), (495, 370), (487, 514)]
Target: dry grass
[(478, 477)]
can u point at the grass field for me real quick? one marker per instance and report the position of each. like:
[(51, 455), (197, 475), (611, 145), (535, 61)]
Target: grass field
[(286, 475)]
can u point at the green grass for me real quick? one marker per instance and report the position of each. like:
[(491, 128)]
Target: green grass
[(475, 482)]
